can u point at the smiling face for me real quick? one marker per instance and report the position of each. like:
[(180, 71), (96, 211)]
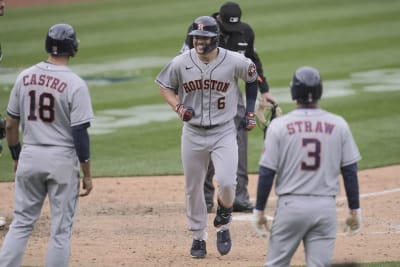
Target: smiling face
[(202, 44)]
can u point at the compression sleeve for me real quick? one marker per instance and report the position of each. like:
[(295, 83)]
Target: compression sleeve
[(81, 141), (251, 96), (265, 181), (350, 180)]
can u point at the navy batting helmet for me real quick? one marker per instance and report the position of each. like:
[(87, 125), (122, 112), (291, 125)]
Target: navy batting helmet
[(306, 85), (61, 40), (208, 27)]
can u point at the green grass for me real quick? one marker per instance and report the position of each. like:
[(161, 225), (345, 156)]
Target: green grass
[(338, 37)]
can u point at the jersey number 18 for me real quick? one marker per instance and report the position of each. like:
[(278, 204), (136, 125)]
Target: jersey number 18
[(45, 106)]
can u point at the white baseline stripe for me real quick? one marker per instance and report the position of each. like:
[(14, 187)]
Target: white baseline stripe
[(372, 194)]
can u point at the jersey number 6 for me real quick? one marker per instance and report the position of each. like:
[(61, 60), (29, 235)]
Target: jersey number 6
[(221, 102)]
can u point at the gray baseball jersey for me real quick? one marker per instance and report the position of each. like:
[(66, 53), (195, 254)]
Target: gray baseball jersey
[(212, 91), (306, 148), (48, 99)]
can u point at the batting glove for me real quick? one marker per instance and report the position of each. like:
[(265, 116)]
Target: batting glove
[(353, 222), (184, 112), (250, 121), (260, 223)]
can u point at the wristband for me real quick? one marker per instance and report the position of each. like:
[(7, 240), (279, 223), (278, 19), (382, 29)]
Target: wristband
[(15, 150)]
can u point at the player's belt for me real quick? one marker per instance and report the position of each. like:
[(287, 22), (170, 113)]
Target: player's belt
[(206, 127), (307, 195)]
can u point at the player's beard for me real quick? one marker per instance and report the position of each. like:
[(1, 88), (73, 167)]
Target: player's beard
[(202, 47)]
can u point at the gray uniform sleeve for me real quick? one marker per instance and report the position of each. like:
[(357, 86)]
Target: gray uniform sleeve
[(167, 78), (249, 72), (270, 153), (350, 152), (81, 106)]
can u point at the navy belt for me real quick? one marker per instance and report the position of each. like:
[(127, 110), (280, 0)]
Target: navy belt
[(206, 127)]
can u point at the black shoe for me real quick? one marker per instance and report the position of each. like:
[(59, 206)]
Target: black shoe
[(224, 243), (198, 249), (247, 208), (223, 216), (210, 207), (221, 219)]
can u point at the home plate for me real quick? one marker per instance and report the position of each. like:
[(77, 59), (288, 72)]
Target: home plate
[(248, 217)]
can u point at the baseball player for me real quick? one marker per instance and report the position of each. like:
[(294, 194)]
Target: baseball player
[(2, 122), (306, 149), (53, 106), (238, 36), (201, 86), (2, 135)]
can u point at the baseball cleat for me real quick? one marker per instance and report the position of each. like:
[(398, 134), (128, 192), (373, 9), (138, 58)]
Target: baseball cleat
[(224, 243), (223, 216), (198, 249), (245, 207)]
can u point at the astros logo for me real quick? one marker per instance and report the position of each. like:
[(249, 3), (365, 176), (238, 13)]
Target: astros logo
[(200, 26), (252, 70)]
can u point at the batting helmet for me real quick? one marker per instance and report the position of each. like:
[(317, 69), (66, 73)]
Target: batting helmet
[(61, 40), (208, 27), (306, 85)]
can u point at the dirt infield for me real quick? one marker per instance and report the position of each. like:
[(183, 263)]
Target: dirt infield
[(140, 221)]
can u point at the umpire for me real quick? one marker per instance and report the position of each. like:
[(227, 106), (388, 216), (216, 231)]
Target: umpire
[(238, 36)]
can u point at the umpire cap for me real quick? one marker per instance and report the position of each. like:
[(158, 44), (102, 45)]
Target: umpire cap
[(230, 14)]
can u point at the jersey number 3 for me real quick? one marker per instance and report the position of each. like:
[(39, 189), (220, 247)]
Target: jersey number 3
[(313, 147), (45, 107)]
